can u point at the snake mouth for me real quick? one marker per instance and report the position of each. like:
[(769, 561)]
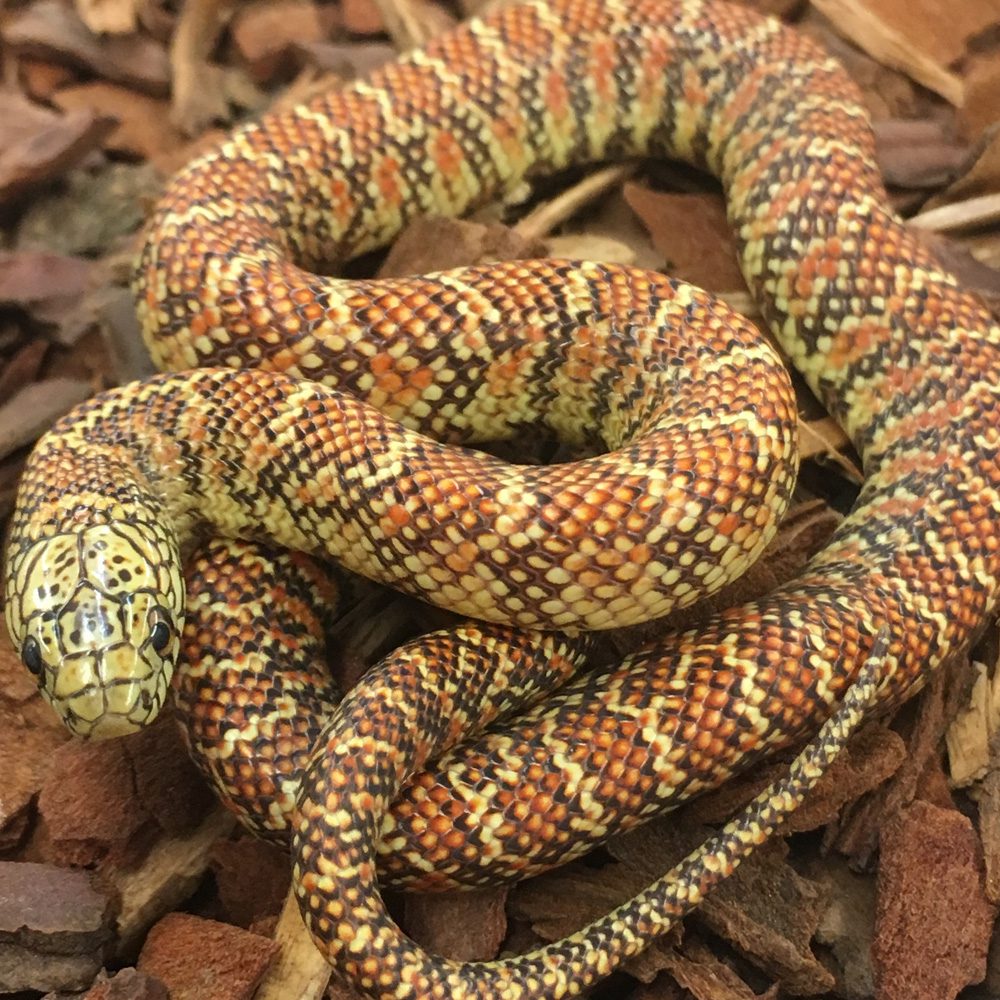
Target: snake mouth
[(104, 727), (112, 693)]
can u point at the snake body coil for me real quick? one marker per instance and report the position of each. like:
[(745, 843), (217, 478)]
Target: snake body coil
[(905, 359)]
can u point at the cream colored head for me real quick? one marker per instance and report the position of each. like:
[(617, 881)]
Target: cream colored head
[(96, 615)]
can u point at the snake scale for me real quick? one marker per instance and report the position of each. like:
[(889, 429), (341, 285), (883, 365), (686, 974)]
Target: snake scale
[(694, 410)]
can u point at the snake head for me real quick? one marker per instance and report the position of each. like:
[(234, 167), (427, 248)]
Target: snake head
[(96, 615)]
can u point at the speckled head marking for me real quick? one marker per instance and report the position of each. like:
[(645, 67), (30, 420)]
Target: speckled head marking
[(95, 609)]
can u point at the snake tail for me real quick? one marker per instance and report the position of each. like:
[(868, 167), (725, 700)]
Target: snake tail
[(359, 767)]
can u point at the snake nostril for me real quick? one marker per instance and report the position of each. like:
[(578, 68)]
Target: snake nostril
[(31, 655)]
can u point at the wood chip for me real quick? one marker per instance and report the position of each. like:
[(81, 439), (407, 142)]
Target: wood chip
[(362, 17), (166, 877), (300, 970), (972, 731), (197, 958), (825, 438), (46, 286), (41, 79), (541, 221), (917, 154), (267, 34), (982, 94), (962, 215), (247, 901), (436, 244), (847, 925), (128, 984), (53, 928), (933, 921)]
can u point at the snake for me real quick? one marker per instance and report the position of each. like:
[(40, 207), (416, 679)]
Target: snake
[(335, 416)]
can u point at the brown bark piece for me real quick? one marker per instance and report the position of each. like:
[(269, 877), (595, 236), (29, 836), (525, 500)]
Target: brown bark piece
[(347, 60), (266, 34), (143, 128), (197, 958), (933, 920), (51, 31), (253, 879), (887, 93), (705, 976), (692, 233), (847, 925), (869, 759), (89, 802), (766, 909), (53, 928), (981, 178), (465, 926), (167, 783), (128, 984), (37, 146), (872, 757), (25, 750)]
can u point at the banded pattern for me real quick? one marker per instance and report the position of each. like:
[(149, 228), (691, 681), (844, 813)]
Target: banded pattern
[(697, 409), (907, 360)]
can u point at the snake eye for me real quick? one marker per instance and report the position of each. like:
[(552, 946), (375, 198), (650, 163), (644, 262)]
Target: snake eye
[(31, 655), (160, 636)]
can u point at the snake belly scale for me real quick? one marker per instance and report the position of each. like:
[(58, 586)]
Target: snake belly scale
[(903, 357)]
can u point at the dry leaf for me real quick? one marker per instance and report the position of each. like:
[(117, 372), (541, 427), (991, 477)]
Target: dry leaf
[(49, 30), (48, 287), (981, 101), (912, 35), (692, 233), (143, 129), (267, 34), (37, 145)]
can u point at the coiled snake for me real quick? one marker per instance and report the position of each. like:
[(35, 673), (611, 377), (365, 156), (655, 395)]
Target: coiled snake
[(905, 359)]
